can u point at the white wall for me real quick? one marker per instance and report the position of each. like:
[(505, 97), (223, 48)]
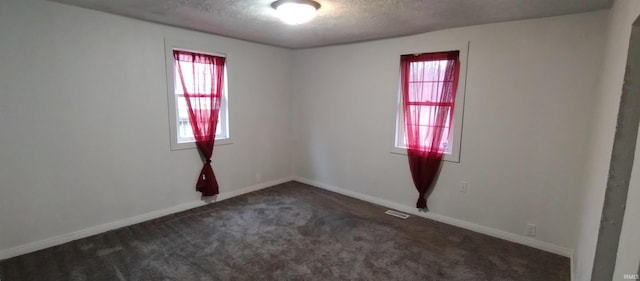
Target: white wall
[(530, 92), (84, 136), (621, 17), (628, 258)]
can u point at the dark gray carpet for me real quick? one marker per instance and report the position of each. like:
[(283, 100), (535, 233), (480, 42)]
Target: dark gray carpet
[(288, 232)]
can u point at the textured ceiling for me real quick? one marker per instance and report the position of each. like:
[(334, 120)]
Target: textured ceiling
[(337, 21)]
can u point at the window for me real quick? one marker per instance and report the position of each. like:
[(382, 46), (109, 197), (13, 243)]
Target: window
[(426, 80), (180, 128), (185, 134)]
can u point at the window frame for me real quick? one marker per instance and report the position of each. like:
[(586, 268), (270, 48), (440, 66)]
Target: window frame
[(171, 45), (455, 137)]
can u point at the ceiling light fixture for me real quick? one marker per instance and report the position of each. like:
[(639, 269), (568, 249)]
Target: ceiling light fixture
[(296, 11)]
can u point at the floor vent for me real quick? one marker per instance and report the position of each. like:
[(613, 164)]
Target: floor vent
[(396, 214)]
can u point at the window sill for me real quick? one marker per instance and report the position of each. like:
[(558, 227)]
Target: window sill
[(192, 145), (449, 157)]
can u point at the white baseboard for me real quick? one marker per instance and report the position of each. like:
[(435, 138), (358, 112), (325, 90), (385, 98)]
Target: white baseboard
[(64, 238), (572, 267), (444, 219)]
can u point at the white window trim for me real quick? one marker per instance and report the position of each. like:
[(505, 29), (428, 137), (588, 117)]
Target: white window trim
[(454, 155), (203, 48)]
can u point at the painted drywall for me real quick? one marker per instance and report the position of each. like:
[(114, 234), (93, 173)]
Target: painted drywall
[(84, 130), (527, 115), (628, 251), (620, 168), (609, 89), (628, 257)]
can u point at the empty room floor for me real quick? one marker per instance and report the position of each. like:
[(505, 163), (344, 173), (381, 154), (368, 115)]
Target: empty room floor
[(290, 231)]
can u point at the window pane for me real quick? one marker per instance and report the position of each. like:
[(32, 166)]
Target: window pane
[(428, 70), (201, 70), (182, 108), (426, 80), (426, 136), (426, 115), (185, 133), (423, 119), (425, 91), (198, 104)]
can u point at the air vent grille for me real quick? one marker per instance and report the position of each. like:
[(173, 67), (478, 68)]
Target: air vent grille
[(396, 214)]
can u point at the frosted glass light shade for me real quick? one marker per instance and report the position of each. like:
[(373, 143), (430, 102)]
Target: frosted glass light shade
[(295, 12)]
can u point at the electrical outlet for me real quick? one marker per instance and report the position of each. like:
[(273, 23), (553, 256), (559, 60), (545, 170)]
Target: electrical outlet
[(531, 230), (463, 186)]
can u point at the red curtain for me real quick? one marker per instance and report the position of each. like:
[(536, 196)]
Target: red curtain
[(202, 78), (429, 83)]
